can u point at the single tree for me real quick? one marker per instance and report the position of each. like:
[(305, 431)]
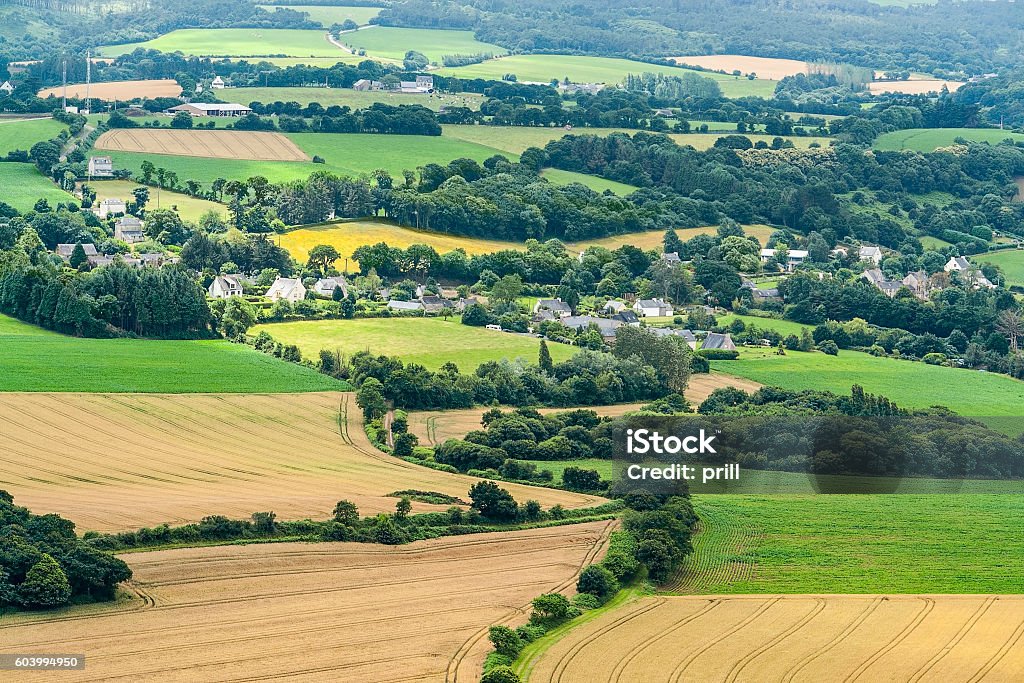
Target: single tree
[(544, 358)]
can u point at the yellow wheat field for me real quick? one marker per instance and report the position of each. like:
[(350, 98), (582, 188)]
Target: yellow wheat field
[(112, 462), (119, 90), (313, 612), (436, 426), (795, 638), (210, 144)]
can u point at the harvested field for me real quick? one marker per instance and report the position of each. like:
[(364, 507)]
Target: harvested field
[(321, 612), (436, 426), (921, 86), (182, 457), (767, 638), (211, 144), (764, 67), (119, 90)]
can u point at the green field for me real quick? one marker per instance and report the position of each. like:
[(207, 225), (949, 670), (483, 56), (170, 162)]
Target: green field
[(781, 326), (596, 183), (929, 242), (356, 99), (610, 70), (38, 360), (910, 384), (929, 139), (23, 185), (189, 208), (958, 543), (344, 153), (392, 43), (1010, 261), (331, 15), (23, 133), (238, 42), (431, 342)]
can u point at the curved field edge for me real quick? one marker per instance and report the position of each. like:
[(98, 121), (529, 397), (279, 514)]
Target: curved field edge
[(259, 607)]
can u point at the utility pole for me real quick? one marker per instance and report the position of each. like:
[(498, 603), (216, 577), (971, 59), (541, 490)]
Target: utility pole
[(88, 81)]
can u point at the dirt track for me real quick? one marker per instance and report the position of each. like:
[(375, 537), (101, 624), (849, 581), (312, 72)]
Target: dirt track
[(211, 144), (312, 612), (791, 638)]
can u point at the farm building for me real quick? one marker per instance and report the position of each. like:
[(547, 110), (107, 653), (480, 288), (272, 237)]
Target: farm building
[(101, 167), (288, 289), (422, 84), (65, 250), (204, 109), (109, 207), (325, 286), (363, 85), (719, 341), (129, 229), (652, 308), (224, 286), (404, 306)]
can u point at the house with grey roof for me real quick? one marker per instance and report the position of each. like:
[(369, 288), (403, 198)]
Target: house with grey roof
[(557, 307), (224, 286), (65, 250), (405, 306), (715, 340), (580, 323), (129, 229), (287, 289), (652, 308), (685, 335), (325, 286)]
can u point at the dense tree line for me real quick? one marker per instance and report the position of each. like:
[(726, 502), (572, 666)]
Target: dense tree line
[(930, 38), (860, 434), (43, 563)]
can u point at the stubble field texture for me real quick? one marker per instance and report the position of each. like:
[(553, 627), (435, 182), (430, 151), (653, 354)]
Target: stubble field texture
[(323, 612), (118, 90), (182, 457)]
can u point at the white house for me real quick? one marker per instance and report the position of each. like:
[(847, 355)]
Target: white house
[(7, 88), (217, 83), (870, 253), (288, 289), (129, 229), (110, 207), (958, 264), (325, 286), (652, 308), (556, 307), (101, 167), (224, 286), (794, 257)]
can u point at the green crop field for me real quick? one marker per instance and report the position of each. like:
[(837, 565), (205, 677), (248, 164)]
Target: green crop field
[(1010, 261), (431, 342), (392, 43), (23, 133), (331, 15), (34, 359), (189, 208), (238, 42), (997, 399), (356, 99), (929, 139), (23, 185), (954, 543), (596, 183), (344, 153), (610, 70)]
